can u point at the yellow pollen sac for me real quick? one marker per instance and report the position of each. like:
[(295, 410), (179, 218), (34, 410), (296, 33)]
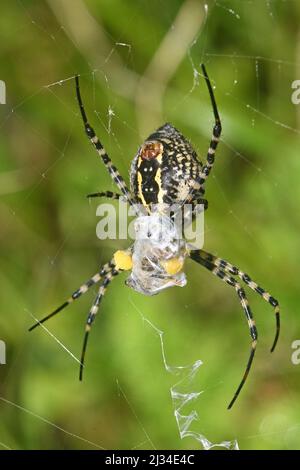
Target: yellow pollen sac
[(173, 265), (123, 260)]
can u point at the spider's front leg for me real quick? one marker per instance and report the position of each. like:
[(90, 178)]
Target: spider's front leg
[(217, 129), (101, 151), (235, 271)]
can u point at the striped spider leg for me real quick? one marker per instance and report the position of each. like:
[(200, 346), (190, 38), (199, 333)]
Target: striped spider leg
[(216, 134), (113, 171), (196, 202), (109, 270), (235, 271), (93, 312), (165, 171), (106, 274), (108, 194), (225, 271)]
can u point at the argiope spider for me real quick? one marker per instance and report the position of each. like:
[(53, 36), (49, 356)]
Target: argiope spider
[(165, 171)]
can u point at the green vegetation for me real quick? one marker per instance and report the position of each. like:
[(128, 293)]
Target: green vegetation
[(48, 240)]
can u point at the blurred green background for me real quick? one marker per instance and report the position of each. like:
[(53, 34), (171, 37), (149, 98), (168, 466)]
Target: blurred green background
[(139, 64)]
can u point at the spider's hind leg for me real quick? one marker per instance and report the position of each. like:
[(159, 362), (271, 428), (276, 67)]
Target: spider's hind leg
[(235, 271), (106, 268), (196, 256)]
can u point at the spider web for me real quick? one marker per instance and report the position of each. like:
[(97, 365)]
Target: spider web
[(114, 70)]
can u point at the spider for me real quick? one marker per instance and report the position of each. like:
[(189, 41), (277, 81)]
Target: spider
[(164, 171)]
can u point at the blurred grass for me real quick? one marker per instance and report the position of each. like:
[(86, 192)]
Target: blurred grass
[(48, 242)]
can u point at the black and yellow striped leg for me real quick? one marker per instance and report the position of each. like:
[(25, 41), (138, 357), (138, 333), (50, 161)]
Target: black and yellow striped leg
[(93, 312), (79, 292), (101, 151), (244, 302), (217, 129), (231, 269), (108, 194)]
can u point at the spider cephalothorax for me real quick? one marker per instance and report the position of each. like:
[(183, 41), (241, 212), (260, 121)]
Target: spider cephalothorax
[(165, 173)]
